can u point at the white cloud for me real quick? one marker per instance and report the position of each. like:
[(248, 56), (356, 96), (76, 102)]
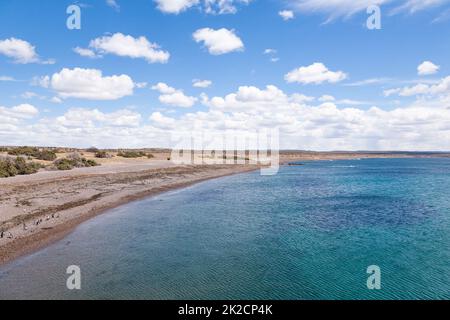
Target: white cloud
[(201, 83), (413, 6), (427, 68), (316, 73), (29, 95), (223, 6), (85, 52), (173, 97), (367, 82), (16, 114), (89, 118), (442, 87), (125, 46), (90, 84), (21, 51), (175, 6), (219, 41), (113, 4), (323, 127), (162, 121), (286, 14), (302, 125), (270, 51), (326, 98), (6, 78), (43, 81), (208, 6), (346, 8)]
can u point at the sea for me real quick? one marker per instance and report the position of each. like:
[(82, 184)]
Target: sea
[(333, 230)]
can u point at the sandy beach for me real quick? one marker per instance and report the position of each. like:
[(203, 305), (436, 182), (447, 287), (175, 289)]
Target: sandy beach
[(38, 209)]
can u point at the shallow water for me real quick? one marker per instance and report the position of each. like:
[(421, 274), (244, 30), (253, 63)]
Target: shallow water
[(309, 232)]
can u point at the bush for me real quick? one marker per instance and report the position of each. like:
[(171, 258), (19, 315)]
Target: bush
[(18, 166), (7, 168), (45, 155), (131, 154), (102, 155), (150, 156), (23, 151), (63, 164), (92, 149), (74, 161), (23, 167)]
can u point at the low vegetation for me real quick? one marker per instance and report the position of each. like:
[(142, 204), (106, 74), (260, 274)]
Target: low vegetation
[(32, 152), (131, 154), (19, 166), (102, 155), (74, 161)]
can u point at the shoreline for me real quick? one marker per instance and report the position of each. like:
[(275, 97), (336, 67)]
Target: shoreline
[(60, 201), (51, 231)]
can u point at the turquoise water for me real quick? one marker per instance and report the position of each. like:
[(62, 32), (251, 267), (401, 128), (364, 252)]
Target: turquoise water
[(309, 232)]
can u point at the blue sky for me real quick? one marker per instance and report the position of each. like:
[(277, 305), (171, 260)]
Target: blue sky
[(350, 87)]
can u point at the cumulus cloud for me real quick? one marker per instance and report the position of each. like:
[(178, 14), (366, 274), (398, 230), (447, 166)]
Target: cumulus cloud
[(326, 126), (286, 14), (427, 68), (91, 118), (442, 87), (21, 52), (15, 115), (90, 84), (175, 6), (125, 46), (219, 41), (173, 97), (208, 6), (302, 123), (85, 52), (197, 83), (316, 73)]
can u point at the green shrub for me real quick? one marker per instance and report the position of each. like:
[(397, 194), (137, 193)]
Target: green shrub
[(18, 166), (7, 168), (131, 154), (73, 161), (150, 156), (23, 167), (102, 155), (45, 155), (63, 164), (23, 151), (92, 149)]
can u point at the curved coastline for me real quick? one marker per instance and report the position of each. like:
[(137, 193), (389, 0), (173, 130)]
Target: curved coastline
[(66, 220)]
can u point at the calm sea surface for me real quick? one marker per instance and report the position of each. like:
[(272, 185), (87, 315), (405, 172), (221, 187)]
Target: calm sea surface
[(309, 232)]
